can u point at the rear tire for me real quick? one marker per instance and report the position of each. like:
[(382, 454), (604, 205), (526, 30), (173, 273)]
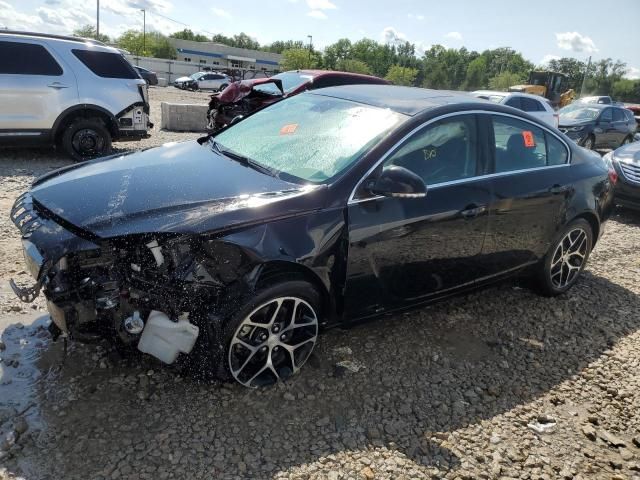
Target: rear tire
[(566, 259), (271, 336), (86, 138)]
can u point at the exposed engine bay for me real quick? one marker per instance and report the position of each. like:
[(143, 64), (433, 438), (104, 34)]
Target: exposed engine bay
[(136, 291)]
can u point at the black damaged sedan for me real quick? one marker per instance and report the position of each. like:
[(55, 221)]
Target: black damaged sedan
[(326, 208)]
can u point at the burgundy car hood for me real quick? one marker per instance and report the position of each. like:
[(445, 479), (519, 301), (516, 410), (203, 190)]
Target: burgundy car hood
[(238, 90)]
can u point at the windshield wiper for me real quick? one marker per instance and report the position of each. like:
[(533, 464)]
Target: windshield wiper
[(246, 161)]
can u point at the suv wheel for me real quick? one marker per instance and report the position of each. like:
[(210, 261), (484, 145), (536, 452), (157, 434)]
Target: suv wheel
[(86, 138), (273, 335), (566, 258)]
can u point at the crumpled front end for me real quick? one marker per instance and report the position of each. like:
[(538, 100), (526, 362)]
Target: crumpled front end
[(137, 290)]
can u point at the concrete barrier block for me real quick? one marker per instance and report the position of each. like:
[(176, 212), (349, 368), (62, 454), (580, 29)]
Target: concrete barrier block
[(163, 82), (181, 117)]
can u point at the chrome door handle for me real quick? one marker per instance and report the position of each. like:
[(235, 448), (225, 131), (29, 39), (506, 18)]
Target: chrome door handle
[(57, 85)]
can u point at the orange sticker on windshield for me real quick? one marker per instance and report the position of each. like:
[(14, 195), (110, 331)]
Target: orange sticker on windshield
[(529, 141), (289, 129)]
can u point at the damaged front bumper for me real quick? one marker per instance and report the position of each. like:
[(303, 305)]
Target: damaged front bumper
[(131, 291)]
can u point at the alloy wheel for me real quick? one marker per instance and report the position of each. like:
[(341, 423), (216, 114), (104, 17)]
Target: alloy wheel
[(568, 258), (273, 341)]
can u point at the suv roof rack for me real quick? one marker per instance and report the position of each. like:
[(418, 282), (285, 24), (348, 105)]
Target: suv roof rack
[(51, 35)]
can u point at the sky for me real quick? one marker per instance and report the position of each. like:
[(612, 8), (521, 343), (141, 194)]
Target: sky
[(539, 29)]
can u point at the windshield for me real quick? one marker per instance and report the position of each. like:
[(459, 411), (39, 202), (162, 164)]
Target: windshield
[(577, 112), (309, 137), (290, 81)]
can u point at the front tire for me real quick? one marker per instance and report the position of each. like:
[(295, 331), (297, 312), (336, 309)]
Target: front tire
[(589, 143), (566, 258), (273, 334), (222, 87), (86, 138)]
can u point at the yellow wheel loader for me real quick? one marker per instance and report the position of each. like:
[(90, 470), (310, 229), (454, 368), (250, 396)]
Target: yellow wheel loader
[(551, 85)]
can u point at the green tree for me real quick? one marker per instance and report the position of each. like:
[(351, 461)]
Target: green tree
[(245, 41), (476, 72), (504, 80), (154, 45), (279, 46), (336, 52), (187, 34), (298, 59), (352, 65), (89, 31), (626, 90), (401, 75), (377, 56), (219, 38)]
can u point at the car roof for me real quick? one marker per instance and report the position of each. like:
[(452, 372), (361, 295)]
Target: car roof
[(322, 73), (76, 42), (509, 94), (407, 100)]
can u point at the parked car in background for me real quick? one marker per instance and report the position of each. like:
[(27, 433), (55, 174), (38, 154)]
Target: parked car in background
[(329, 207), (246, 96), (635, 109), (204, 81), (626, 161), (597, 126), (534, 105), (147, 75), (600, 99), (75, 93)]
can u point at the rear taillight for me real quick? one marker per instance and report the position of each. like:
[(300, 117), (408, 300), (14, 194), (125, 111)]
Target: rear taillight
[(611, 170)]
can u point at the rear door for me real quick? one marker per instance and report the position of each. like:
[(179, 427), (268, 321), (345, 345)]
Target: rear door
[(35, 87), (530, 188), (620, 127), (604, 130)]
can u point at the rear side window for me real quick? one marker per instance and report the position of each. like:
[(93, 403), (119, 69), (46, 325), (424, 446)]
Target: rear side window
[(514, 102), (106, 64), (618, 115), (521, 145), (531, 105), (27, 59), (629, 115)]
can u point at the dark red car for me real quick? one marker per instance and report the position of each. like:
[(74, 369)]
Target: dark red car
[(247, 96)]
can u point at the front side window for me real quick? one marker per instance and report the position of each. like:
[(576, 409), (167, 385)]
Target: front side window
[(444, 151), (27, 59), (309, 137), (106, 64), (521, 145)]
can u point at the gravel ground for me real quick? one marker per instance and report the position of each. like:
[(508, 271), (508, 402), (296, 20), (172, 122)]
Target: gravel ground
[(499, 383)]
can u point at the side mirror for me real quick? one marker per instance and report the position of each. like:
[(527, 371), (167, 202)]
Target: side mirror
[(398, 182)]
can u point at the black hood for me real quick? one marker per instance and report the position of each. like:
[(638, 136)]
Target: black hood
[(177, 188)]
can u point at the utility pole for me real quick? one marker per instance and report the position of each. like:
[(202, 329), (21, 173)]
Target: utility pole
[(310, 37), (584, 77), (97, 19), (144, 30)]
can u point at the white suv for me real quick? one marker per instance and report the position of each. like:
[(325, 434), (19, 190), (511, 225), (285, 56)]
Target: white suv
[(532, 104), (71, 92)]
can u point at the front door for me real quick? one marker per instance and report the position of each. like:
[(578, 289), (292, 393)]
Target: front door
[(406, 250)]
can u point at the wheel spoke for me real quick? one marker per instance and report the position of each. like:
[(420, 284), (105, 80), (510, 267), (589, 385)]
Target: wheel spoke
[(568, 258)]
